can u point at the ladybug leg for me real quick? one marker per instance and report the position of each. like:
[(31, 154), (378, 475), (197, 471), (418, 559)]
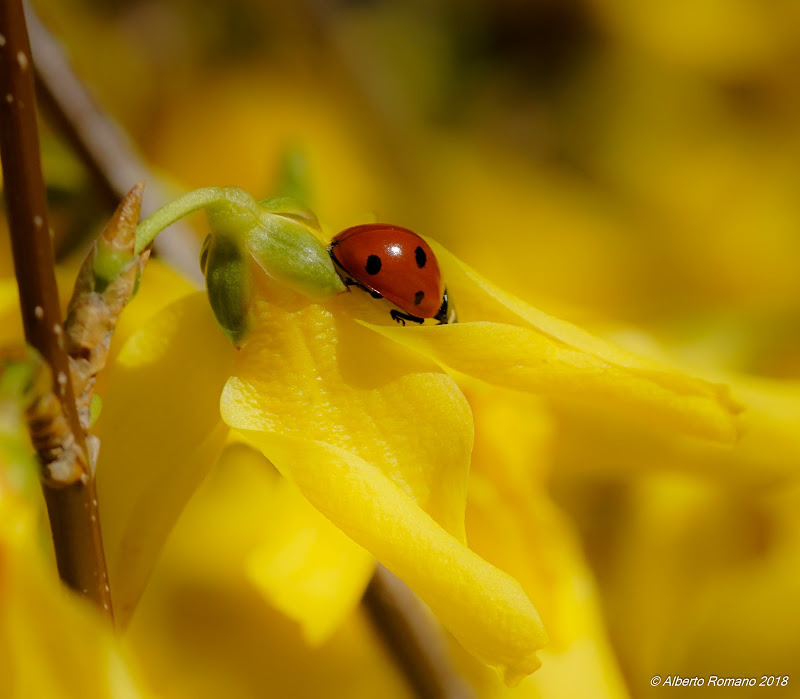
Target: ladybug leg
[(401, 317), (446, 313), (348, 282)]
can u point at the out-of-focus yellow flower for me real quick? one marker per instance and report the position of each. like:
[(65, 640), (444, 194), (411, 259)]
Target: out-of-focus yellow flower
[(152, 460), (52, 644), (10, 318), (257, 127), (716, 37), (722, 565)]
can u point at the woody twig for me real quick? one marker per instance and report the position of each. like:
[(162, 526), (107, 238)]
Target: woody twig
[(75, 351)]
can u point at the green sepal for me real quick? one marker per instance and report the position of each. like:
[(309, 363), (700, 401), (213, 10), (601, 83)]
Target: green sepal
[(291, 208), (289, 252), (229, 286), (204, 253)]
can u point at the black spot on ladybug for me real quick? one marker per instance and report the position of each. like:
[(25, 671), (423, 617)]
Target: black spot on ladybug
[(422, 258), (419, 295), (373, 264)]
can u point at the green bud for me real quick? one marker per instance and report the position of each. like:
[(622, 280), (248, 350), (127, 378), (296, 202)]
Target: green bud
[(229, 286)]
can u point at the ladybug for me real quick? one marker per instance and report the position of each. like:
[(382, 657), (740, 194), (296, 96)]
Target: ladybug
[(393, 263)]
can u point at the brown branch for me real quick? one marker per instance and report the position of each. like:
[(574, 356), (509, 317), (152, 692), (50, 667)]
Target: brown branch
[(413, 639), (69, 490), (103, 145)]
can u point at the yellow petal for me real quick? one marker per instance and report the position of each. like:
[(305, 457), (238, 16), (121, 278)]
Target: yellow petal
[(484, 608), (767, 454), (160, 432), (300, 562), (308, 569), (203, 630), (512, 524), (310, 371), (159, 287), (503, 341), (527, 537)]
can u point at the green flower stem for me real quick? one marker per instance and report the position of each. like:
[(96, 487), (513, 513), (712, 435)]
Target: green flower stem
[(207, 197)]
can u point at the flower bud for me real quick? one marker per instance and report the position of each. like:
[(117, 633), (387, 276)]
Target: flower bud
[(229, 285), (280, 238)]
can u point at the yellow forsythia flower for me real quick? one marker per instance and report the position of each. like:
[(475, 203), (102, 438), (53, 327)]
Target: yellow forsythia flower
[(370, 428), (52, 644)]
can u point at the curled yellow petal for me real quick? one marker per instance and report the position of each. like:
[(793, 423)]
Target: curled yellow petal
[(159, 433), (503, 341), (514, 525), (300, 562), (484, 608)]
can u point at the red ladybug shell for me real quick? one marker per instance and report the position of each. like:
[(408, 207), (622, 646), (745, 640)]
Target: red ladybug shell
[(394, 262)]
